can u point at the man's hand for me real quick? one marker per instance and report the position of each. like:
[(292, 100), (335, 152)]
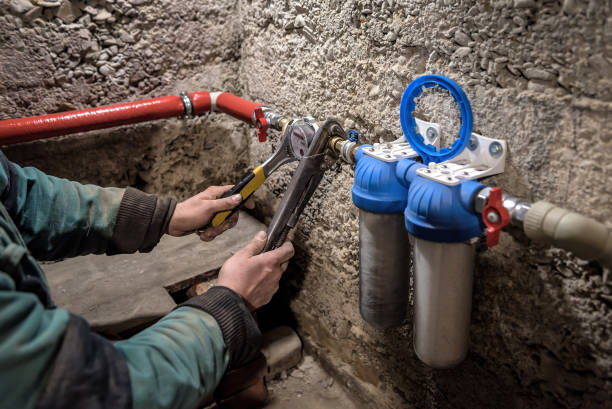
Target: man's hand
[(197, 212), (255, 276)]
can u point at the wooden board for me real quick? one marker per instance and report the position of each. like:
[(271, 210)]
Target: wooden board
[(124, 291)]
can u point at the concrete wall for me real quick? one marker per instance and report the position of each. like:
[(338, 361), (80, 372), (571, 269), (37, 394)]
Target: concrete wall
[(537, 73), (87, 53)]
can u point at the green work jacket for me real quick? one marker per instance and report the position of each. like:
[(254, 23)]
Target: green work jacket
[(49, 357)]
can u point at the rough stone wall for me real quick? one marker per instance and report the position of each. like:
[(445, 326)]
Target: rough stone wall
[(58, 55), (537, 73)]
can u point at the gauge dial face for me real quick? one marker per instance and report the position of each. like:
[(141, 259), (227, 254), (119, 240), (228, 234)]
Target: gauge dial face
[(301, 136)]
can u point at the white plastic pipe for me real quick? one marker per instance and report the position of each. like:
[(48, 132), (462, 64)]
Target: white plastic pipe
[(585, 237)]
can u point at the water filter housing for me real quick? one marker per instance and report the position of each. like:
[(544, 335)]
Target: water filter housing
[(384, 255), (442, 221)]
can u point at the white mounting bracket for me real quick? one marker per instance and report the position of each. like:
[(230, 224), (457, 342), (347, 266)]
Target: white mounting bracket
[(400, 149), (481, 157)]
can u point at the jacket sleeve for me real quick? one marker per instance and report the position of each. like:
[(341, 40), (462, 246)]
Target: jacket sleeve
[(59, 218), (179, 361), (51, 359)]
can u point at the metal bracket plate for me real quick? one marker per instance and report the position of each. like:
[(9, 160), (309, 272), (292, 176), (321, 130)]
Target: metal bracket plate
[(480, 158), (400, 149)]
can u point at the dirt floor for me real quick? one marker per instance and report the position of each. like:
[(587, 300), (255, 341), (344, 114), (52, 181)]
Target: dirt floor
[(307, 386)]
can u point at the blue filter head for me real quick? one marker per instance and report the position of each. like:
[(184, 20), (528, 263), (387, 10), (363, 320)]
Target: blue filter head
[(428, 152), (441, 213), (375, 187)]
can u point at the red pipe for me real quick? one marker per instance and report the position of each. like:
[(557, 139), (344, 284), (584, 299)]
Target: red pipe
[(236, 107), (201, 102), (45, 126)]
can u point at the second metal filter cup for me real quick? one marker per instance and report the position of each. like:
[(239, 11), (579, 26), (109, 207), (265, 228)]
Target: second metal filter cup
[(442, 301)]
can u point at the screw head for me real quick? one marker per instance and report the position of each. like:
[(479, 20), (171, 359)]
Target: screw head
[(472, 143), (496, 149), (493, 217), (431, 134)]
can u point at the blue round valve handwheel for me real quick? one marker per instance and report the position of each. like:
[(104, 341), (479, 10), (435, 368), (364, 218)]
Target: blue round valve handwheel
[(428, 152)]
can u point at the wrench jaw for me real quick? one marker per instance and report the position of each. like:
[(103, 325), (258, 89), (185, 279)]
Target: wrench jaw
[(283, 155), (295, 142), (304, 182)]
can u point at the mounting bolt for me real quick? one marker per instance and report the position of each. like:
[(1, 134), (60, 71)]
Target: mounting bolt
[(431, 134), (473, 143), (493, 217), (496, 149)]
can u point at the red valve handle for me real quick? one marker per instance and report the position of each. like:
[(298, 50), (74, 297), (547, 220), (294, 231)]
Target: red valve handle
[(495, 206), (262, 125)]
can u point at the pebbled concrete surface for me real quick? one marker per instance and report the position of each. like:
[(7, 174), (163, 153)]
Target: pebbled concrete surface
[(307, 386), (541, 318), (116, 51), (537, 73)]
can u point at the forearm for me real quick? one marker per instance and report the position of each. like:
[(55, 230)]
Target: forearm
[(56, 217), (59, 218), (53, 360), (179, 361)]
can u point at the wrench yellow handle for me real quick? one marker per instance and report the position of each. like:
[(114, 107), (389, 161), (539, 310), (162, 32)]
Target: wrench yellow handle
[(246, 187)]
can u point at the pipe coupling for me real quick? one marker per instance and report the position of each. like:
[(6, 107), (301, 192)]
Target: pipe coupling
[(344, 148), (515, 206), (188, 104)]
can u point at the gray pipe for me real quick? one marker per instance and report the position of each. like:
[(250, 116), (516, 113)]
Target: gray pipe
[(443, 276), (583, 236), (384, 270)]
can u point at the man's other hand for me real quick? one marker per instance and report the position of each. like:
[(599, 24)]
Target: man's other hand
[(197, 212), (255, 276)]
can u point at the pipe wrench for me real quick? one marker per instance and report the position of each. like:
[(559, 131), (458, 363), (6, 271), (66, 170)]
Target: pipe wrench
[(304, 182), (295, 143)]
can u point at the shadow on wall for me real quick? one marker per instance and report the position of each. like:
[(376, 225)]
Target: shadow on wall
[(178, 158), (555, 365), (498, 374)]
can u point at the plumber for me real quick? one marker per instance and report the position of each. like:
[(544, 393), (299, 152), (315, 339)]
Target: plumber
[(50, 358)]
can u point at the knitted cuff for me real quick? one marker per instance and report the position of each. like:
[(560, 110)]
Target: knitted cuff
[(141, 221)]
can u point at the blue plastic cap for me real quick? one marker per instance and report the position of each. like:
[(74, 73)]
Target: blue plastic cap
[(441, 213), (406, 171), (375, 187), (428, 152)]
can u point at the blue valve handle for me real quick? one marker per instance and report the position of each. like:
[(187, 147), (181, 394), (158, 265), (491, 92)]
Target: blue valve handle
[(429, 153)]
